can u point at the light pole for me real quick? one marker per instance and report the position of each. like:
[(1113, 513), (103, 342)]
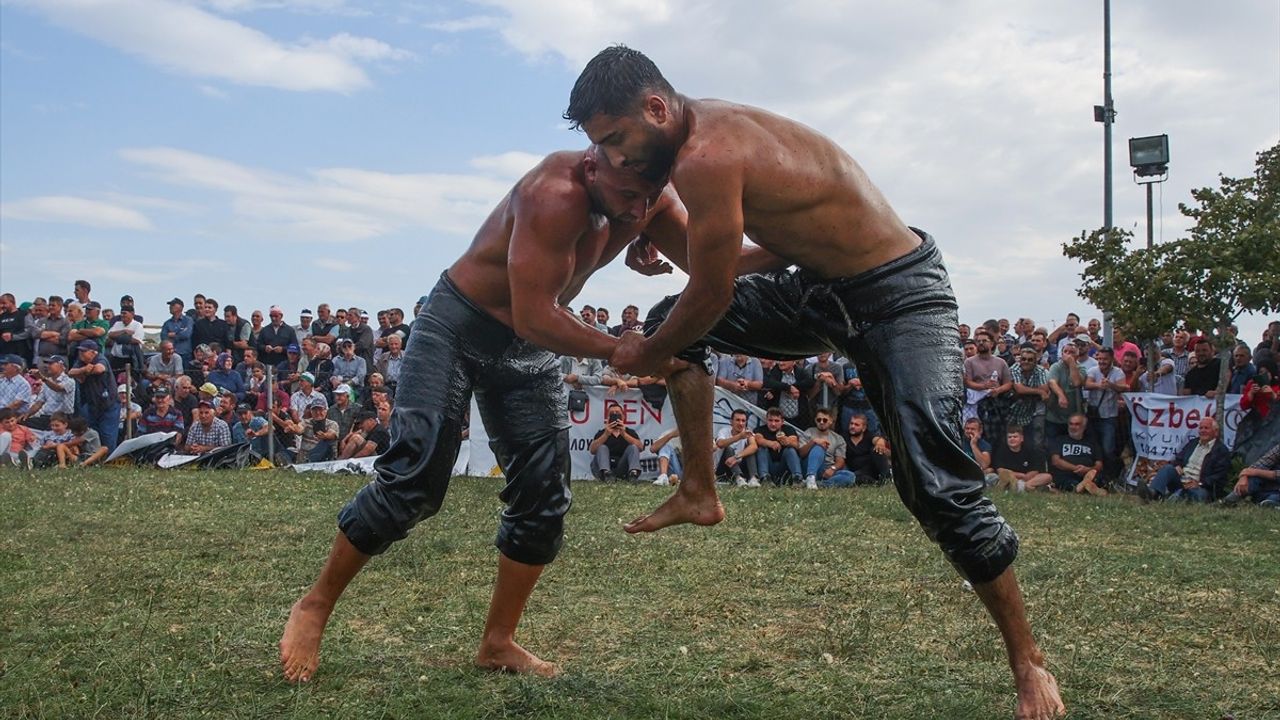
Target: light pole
[(1106, 114), (1149, 158)]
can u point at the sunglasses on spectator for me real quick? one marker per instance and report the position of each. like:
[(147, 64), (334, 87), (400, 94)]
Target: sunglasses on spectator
[(823, 419)]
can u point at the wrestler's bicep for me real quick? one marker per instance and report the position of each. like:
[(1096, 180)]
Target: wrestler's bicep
[(540, 256)]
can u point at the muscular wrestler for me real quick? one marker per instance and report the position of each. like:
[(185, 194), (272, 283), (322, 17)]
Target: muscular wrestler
[(867, 286), (492, 326)]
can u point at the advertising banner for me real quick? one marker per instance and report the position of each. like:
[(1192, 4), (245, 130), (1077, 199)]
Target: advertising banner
[(1162, 424)]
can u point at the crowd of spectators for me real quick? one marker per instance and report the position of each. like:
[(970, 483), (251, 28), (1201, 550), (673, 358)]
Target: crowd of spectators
[(1041, 409)]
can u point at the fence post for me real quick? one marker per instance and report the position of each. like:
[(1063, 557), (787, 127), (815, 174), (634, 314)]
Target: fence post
[(271, 415), (128, 400)]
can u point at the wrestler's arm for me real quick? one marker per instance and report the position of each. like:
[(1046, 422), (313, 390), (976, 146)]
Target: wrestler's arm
[(550, 216), (712, 190), (668, 232)]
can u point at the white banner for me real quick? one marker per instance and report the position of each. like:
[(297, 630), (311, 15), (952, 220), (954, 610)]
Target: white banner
[(648, 422), (1162, 424)]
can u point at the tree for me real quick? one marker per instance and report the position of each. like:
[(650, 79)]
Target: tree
[(1228, 266)]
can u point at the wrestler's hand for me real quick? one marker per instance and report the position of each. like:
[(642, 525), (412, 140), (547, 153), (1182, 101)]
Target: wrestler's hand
[(631, 357), (643, 257)]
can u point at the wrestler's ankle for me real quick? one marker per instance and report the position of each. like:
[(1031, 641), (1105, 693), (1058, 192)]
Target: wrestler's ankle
[(315, 601)]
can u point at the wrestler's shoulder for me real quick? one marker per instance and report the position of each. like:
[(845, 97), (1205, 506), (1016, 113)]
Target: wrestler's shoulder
[(554, 181)]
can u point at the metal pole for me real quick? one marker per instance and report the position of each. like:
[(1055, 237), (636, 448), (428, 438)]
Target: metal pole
[(271, 415), (1108, 114), (1149, 216), (128, 400)]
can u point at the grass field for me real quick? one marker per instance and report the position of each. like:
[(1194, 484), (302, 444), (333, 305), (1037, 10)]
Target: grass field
[(130, 593)]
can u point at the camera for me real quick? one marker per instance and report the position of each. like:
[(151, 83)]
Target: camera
[(317, 426)]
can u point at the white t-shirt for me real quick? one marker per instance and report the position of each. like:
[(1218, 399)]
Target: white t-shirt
[(735, 447), (135, 329)]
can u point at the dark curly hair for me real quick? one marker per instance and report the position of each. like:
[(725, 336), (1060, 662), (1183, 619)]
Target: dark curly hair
[(612, 83)]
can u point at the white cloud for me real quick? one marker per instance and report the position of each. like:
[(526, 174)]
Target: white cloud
[(511, 165), (187, 40), (466, 24), (75, 210), (334, 264)]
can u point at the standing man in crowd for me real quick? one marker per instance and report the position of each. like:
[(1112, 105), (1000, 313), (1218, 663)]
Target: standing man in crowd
[(742, 376), (14, 335), (99, 405), (51, 331), (1202, 379), (178, 329), (275, 338), (869, 287), (1103, 385)]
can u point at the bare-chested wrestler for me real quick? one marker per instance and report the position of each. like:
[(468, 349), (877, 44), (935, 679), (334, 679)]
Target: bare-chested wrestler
[(866, 286), (493, 326)]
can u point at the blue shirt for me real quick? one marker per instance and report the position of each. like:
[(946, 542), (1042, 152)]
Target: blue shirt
[(1240, 377), (181, 329)]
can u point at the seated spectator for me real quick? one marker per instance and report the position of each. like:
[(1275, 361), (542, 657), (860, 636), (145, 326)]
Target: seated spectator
[(1262, 389), (1242, 369), (348, 368), (1075, 460), (57, 394), (209, 393), (166, 364), (977, 447), (1202, 379), (241, 421), (17, 442), (224, 377), (207, 433), (162, 416), (245, 367), (824, 453), (742, 376), (735, 449), (287, 372), (580, 373), (786, 387), (225, 408), (392, 358), (85, 447), (1167, 381), (378, 393), (46, 454), (343, 411), (615, 450), (1260, 482), (317, 434), (667, 448), (1198, 472), (255, 429), (1018, 465), (618, 381), (866, 459), (15, 391), (201, 364), (305, 396), (367, 438), (319, 364), (778, 450), (185, 399), (130, 410)]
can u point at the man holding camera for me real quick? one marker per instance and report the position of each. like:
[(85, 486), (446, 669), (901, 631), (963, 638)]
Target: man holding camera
[(615, 450)]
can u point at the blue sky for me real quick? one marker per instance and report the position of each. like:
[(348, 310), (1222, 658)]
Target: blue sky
[(299, 151)]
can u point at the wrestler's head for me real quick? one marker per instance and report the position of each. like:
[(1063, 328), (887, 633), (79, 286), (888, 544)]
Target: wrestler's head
[(626, 107), (619, 195)]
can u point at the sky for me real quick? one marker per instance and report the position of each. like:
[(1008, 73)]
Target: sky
[(293, 152)]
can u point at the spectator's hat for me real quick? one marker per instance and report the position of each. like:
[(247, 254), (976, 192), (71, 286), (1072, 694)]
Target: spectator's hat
[(177, 301), (345, 342), (15, 360), (318, 403), (343, 389), (209, 389), (126, 301), (222, 357), (364, 315), (122, 389), (244, 407), (305, 313), (93, 305), (1083, 338), (160, 392), (293, 349), (423, 300), (1166, 361), (308, 377), (87, 345), (55, 359), (364, 415), (25, 306), (204, 404)]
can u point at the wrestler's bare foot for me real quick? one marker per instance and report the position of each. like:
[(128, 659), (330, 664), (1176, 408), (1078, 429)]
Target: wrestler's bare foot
[(508, 656), (1038, 697), (680, 508), (300, 644)]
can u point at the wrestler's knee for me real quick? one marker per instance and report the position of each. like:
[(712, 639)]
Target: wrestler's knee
[(988, 548), (531, 542), (375, 518)]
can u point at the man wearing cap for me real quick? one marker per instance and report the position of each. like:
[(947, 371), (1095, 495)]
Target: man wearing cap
[(14, 333), (126, 337), (99, 405), (361, 334), (92, 327), (275, 338), (324, 329), (342, 411), (317, 433), (1084, 346), (162, 416), (178, 330), (15, 391), (303, 328), (50, 333), (294, 365), (207, 433), (348, 368), (304, 396), (57, 394)]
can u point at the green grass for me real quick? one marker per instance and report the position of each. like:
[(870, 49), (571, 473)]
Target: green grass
[(130, 593)]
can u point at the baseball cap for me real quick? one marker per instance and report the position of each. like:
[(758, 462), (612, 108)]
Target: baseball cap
[(244, 407), (93, 305), (209, 389), (15, 360), (122, 389), (308, 377), (177, 301), (305, 313), (364, 315), (318, 403), (365, 415), (55, 359), (345, 342), (293, 348), (343, 389), (160, 392), (87, 345), (1083, 338), (204, 404)]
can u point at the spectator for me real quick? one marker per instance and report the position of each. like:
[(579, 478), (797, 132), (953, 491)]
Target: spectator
[(130, 411), (245, 366), (778, 450), (275, 339), (1031, 391), (1167, 382), (367, 438), (379, 393), (163, 417), (343, 412), (15, 391), (195, 312), (588, 315), (1065, 333), (340, 317), (178, 330), (388, 365), (59, 433), (209, 393), (98, 404), (824, 452), (617, 381), (85, 447), (109, 316), (602, 319), (1121, 344), (1178, 353), (1085, 346), (615, 449), (225, 407), (348, 368), (1047, 353), (742, 376), (962, 331), (224, 377), (57, 394), (788, 383), (319, 364), (630, 322), (125, 339), (90, 327), (988, 381), (207, 433), (578, 373), (303, 328), (185, 399), (256, 430), (1104, 385), (1242, 369), (361, 334), (1018, 465), (1202, 379), (854, 400), (317, 434), (81, 291), (324, 329), (255, 329), (1198, 472), (17, 442), (1065, 399), (210, 329), (201, 365), (1075, 460), (288, 372), (1095, 331), (239, 333), (667, 447), (736, 447), (977, 448), (51, 331), (304, 397), (15, 336), (828, 381), (970, 347), (866, 459), (165, 365), (1260, 482), (1270, 341), (1262, 390)]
